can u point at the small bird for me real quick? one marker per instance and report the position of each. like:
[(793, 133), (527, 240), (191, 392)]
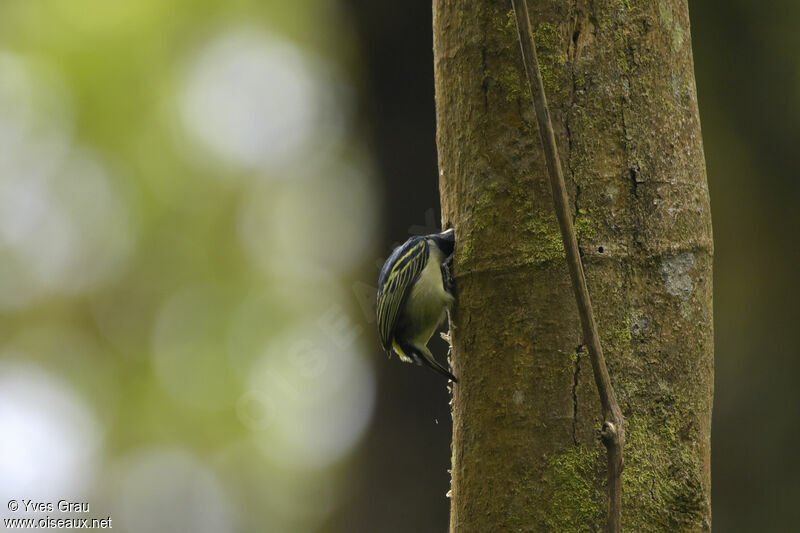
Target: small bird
[(413, 294)]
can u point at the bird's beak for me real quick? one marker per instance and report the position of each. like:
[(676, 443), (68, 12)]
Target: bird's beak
[(447, 241)]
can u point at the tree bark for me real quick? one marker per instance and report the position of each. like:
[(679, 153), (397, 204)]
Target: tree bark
[(619, 79)]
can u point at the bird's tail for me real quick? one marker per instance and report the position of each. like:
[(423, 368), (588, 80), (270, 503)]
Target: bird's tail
[(424, 355), (401, 352)]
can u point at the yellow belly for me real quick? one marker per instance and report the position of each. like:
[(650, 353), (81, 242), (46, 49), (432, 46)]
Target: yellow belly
[(427, 302)]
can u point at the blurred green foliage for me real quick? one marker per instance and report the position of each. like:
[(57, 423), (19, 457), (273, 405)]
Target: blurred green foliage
[(186, 202)]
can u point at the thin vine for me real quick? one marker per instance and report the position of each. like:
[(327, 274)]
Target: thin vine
[(613, 429)]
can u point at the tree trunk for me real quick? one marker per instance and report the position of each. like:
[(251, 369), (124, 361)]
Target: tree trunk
[(620, 82)]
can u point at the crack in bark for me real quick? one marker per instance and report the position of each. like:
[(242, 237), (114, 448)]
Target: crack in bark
[(633, 171), (575, 380), (485, 84), (572, 50), (634, 168)]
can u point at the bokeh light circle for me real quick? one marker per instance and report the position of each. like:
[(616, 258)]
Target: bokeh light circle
[(49, 437), (64, 225), (322, 224), (318, 395), (256, 100), (169, 490)]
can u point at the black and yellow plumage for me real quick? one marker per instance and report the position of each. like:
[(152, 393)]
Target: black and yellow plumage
[(413, 295)]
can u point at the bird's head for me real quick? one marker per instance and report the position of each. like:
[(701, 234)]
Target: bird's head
[(445, 241)]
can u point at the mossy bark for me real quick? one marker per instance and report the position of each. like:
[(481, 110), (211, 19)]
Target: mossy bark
[(620, 83)]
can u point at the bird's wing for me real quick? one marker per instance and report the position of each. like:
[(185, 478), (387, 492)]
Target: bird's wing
[(403, 273)]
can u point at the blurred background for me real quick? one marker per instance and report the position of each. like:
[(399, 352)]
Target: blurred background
[(195, 199)]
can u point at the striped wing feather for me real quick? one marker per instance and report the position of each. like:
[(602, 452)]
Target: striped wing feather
[(392, 293)]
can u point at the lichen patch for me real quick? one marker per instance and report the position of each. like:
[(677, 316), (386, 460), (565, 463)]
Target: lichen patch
[(676, 271), (518, 397)]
